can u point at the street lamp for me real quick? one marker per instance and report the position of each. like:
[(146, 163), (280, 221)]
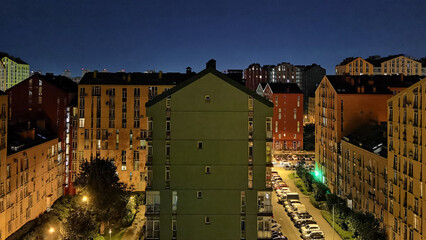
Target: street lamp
[(110, 231), (85, 199), (51, 230)]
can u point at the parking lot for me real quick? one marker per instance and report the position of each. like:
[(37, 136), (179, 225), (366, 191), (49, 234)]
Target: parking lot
[(280, 215)]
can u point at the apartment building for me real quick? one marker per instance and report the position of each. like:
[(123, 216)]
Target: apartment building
[(33, 178), (344, 104), (308, 78), (354, 66), (199, 134), (287, 121), (406, 163), (112, 120), (376, 65), (254, 75), (48, 102), (12, 71), (364, 171)]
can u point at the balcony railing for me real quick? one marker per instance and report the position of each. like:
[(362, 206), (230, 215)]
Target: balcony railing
[(264, 209), (152, 234), (153, 209)]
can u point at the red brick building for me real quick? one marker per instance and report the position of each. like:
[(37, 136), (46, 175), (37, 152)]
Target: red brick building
[(287, 122), (254, 75), (45, 102)]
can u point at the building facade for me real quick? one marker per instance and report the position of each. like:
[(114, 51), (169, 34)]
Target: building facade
[(406, 163), (308, 78), (364, 170), (344, 104), (254, 75), (200, 133), (12, 71), (112, 120), (354, 66), (376, 65), (46, 102), (287, 121)]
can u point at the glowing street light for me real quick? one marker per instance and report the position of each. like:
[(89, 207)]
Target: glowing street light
[(85, 199), (110, 231), (51, 230)]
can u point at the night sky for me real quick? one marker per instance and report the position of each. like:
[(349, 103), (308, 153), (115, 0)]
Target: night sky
[(139, 35)]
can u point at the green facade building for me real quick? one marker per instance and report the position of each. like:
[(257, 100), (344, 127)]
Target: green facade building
[(209, 161), (12, 71)]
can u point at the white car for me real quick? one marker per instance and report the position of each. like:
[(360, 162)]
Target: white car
[(314, 235), (309, 227), (285, 190)]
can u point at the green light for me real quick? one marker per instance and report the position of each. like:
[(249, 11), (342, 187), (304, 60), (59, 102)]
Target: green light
[(316, 173)]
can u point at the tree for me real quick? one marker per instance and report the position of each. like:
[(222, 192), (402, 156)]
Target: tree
[(80, 224), (366, 226), (107, 195), (320, 191)]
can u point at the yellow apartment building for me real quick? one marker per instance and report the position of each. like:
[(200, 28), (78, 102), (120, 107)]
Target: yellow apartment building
[(400, 64), (112, 120), (354, 66), (364, 170), (406, 131)]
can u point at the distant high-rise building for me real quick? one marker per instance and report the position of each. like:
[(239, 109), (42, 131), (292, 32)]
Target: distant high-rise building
[(308, 78), (67, 73), (254, 75), (12, 71), (197, 140)]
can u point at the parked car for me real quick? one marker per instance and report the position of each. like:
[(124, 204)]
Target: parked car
[(304, 223), (316, 235), (287, 165), (309, 227), (275, 227)]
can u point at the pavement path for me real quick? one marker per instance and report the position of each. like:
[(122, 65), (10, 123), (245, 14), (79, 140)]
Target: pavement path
[(133, 232), (304, 199)]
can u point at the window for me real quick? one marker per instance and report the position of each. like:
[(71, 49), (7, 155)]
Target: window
[(200, 145), (250, 103), (199, 194), (167, 173), (207, 220), (207, 170), (295, 113)]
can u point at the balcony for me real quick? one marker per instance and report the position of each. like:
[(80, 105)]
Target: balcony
[(153, 209), (264, 210), (269, 136), (149, 160)]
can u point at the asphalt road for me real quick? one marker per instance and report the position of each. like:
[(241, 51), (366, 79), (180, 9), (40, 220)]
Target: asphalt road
[(281, 217)]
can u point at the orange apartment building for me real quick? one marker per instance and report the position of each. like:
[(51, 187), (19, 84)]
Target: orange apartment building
[(406, 163), (287, 122), (344, 104), (31, 173), (112, 120), (364, 171)]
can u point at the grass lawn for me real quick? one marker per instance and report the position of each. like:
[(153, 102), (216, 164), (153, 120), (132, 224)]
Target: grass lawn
[(329, 218), (301, 186), (291, 176)]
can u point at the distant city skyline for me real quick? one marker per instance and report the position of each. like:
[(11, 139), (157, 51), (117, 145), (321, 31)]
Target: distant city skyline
[(170, 36)]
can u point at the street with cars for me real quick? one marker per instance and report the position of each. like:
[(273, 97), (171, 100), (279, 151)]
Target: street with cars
[(294, 216)]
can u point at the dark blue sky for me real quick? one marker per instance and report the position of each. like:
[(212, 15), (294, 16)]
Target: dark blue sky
[(138, 35)]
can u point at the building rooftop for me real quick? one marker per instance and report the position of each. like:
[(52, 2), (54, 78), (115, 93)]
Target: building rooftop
[(136, 78), (370, 84), (370, 137), (284, 88), (21, 139), (61, 82), (347, 60), (17, 60), (209, 69)]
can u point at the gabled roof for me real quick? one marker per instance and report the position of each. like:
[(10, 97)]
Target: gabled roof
[(202, 74), (17, 60), (347, 60), (371, 138), (136, 78), (373, 84), (284, 88)]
